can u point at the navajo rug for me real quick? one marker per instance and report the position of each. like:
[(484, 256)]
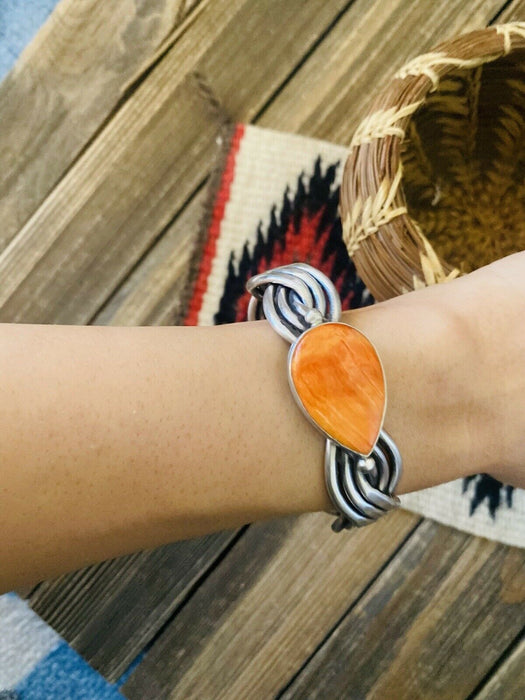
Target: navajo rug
[(276, 202)]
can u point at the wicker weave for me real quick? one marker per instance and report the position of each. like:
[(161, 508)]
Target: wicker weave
[(434, 185)]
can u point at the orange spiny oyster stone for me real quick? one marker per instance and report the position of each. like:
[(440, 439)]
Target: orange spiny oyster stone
[(338, 378)]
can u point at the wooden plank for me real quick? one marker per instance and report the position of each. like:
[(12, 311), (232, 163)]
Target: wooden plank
[(513, 12), (109, 612), (431, 626), (151, 156), (508, 681), (151, 295), (64, 86), (265, 608)]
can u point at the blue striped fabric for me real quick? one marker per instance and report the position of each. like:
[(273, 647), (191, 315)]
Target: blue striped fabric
[(37, 664)]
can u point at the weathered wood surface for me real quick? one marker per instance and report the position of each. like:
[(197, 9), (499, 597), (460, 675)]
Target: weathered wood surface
[(512, 12), (360, 55), (151, 294), (100, 214), (265, 609), (431, 626), (64, 87), (508, 681)]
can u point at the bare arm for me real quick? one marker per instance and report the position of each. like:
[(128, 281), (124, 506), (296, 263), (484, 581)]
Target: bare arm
[(116, 439)]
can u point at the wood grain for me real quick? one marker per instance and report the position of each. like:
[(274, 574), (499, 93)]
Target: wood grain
[(513, 12), (431, 626), (508, 681), (265, 608), (152, 293), (63, 88)]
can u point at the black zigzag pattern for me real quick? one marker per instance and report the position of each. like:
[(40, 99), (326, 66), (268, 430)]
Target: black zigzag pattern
[(318, 199), (489, 489)]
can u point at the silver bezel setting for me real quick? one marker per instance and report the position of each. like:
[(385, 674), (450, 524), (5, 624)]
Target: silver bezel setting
[(299, 402)]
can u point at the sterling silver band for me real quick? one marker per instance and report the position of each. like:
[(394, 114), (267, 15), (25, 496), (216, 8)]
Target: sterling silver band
[(294, 298)]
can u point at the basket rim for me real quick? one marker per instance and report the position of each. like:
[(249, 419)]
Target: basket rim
[(375, 219)]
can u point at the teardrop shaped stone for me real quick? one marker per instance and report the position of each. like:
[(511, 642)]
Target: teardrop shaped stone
[(339, 381)]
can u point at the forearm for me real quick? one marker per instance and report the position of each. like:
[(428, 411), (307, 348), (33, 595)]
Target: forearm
[(116, 439)]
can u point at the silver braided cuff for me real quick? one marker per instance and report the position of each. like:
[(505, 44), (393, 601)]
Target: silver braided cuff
[(296, 299)]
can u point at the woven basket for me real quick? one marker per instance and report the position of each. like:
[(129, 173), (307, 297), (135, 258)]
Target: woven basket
[(434, 185)]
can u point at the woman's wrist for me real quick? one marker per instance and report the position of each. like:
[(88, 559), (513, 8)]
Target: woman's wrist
[(434, 411)]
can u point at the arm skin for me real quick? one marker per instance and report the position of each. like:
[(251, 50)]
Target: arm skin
[(117, 439)]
